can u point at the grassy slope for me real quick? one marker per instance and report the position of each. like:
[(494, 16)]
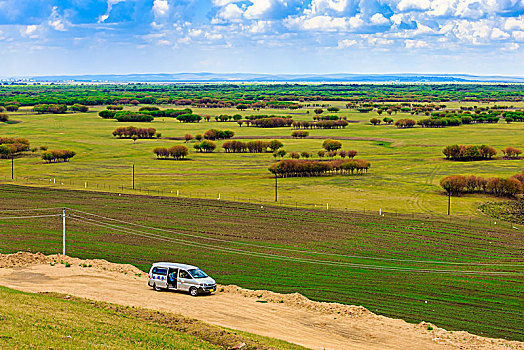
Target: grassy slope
[(488, 305), (44, 322), (406, 168)]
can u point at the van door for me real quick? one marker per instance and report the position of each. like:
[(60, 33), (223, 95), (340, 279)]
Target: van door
[(160, 276), (172, 277), (185, 281)]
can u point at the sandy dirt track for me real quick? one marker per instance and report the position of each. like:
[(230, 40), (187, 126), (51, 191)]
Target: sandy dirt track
[(297, 319)]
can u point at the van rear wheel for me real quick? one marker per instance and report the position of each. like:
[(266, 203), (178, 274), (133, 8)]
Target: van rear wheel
[(193, 291)]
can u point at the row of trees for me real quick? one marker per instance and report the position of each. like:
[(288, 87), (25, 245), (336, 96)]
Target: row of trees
[(299, 134), (10, 146), (301, 167), (58, 155), (405, 123), (376, 121), (511, 152), (130, 131), (273, 122), (205, 146), (321, 124), (50, 108), (469, 152), (252, 146), (214, 134), (321, 154), (505, 187), (177, 152)]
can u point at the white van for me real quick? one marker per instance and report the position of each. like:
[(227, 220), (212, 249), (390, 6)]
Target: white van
[(171, 276)]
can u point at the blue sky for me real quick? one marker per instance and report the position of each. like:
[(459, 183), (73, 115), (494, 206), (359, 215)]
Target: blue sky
[(261, 36)]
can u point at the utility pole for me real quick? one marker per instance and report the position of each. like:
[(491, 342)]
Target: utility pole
[(63, 231), (133, 176), (449, 201), (276, 187), (12, 167)]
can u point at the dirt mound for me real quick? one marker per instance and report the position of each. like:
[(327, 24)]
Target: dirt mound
[(300, 301), (25, 259)]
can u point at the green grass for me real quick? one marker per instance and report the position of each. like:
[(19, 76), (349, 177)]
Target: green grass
[(406, 165), (53, 321), (488, 305)]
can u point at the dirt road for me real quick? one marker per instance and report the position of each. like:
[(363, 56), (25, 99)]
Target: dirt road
[(292, 317)]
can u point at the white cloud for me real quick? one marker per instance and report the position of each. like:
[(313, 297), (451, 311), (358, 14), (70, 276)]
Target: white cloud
[(230, 12), (379, 19), (497, 34), (160, 7), (221, 3), (342, 44), (322, 23), (380, 41), (324, 6), (259, 8), (415, 44), (30, 29), (518, 35), (513, 23), (442, 7), (56, 21), (511, 47), (195, 32), (213, 36), (356, 21), (472, 31), (110, 4), (260, 27), (410, 5), (163, 42)]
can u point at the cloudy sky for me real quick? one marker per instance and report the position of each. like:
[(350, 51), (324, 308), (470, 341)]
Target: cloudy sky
[(261, 36)]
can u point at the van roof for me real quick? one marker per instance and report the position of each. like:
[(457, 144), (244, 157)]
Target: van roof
[(179, 266)]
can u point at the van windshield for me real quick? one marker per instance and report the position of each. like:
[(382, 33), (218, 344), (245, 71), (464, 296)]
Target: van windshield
[(197, 273)]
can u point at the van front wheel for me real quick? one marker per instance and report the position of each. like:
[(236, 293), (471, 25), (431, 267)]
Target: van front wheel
[(193, 291), (158, 289)]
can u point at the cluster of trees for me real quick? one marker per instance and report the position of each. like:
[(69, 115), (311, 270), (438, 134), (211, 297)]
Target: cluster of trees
[(321, 124), (272, 122), (506, 187), (405, 123), (115, 108), (214, 134), (265, 116), (177, 152), (331, 145), (9, 146), (326, 117), (79, 108), (126, 116), (148, 113), (376, 121), (50, 108), (58, 155), (511, 152), (4, 117), (514, 116), (321, 154), (469, 152), (205, 146), (252, 146), (302, 167), (130, 131), (299, 133), (9, 108), (226, 118)]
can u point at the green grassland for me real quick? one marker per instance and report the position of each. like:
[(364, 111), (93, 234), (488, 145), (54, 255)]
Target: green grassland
[(406, 165), (407, 266), (51, 322)]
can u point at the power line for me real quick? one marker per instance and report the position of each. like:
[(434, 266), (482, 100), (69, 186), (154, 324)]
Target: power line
[(281, 257), (28, 217), (297, 250), (30, 209)]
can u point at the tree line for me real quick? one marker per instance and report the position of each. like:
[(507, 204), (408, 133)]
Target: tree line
[(177, 152), (10, 146), (272, 122), (321, 124), (252, 146), (498, 186), (130, 131), (58, 155), (214, 134), (469, 152), (306, 168)]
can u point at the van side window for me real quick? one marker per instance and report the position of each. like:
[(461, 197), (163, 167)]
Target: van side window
[(159, 271), (183, 274)]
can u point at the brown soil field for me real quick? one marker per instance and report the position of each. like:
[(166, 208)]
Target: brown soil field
[(290, 317)]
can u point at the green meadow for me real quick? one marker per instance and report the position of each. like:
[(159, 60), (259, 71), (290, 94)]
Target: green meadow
[(406, 164)]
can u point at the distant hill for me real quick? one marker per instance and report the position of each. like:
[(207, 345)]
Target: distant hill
[(292, 78)]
